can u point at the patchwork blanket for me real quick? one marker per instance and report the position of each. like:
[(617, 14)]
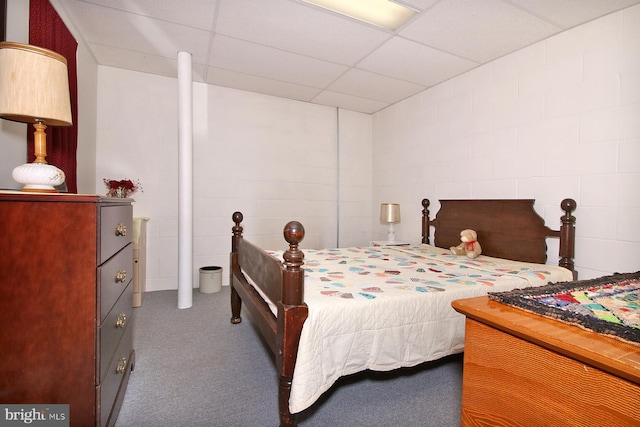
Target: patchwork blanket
[(608, 305), (388, 307)]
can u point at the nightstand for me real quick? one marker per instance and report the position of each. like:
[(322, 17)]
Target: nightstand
[(388, 243)]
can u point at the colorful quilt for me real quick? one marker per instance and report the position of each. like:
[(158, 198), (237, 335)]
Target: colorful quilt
[(608, 305), (383, 308)]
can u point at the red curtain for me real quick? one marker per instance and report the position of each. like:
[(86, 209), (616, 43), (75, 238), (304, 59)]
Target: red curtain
[(47, 30)]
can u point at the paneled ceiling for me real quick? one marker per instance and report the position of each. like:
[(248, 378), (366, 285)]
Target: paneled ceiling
[(291, 49)]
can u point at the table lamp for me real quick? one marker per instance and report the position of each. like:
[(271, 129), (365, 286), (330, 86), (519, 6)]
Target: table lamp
[(390, 214), (34, 88)]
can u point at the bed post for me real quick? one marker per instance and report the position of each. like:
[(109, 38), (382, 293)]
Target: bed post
[(292, 313), (425, 221), (236, 302), (568, 236)]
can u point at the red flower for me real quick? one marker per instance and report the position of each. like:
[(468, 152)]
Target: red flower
[(124, 187)]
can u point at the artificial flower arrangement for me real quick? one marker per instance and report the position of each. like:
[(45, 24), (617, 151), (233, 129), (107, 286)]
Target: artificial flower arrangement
[(122, 188)]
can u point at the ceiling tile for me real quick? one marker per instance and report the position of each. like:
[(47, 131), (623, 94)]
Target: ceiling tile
[(349, 102), (420, 64), (569, 13), (122, 58), (129, 60), (479, 30), (110, 27), (420, 4), (263, 61), (168, 10), (374, 86), (299, 28), (262, 85)]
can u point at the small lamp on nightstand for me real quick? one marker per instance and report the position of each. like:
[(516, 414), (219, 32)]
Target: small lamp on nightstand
[(390, 214), (34, 88)]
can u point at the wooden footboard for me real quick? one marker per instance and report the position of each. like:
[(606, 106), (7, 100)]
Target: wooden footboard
[(282, 283)]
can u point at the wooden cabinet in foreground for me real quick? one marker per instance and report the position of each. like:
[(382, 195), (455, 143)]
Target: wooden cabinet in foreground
[(66, 303), (522, 369)]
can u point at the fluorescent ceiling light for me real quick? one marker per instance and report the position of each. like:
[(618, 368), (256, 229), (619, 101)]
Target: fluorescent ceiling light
[(383, 13)]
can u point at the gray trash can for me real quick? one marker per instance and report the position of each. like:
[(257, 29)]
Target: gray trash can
[(210, 279)]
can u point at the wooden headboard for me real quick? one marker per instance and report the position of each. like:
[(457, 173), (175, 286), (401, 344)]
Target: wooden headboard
[(507, 228)]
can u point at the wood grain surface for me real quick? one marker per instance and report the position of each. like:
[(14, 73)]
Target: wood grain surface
[(516, 373)]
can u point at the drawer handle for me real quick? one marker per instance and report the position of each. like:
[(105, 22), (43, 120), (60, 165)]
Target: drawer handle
[(122, 365), (121, 321), (121, 276), (121, 230)]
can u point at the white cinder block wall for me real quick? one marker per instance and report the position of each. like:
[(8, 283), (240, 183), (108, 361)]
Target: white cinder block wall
[(560, 118), (272, 159), (355, 165)]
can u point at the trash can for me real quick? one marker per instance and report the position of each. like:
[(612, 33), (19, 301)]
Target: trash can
[(210, 279)]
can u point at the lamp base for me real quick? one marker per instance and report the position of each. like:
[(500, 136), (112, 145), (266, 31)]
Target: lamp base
[(38, 177), (391, 234)]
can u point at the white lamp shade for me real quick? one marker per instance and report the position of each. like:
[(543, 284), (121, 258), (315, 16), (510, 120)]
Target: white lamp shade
[(389, 213), (34, 85)]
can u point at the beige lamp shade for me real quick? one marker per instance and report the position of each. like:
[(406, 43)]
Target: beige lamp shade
[(34, 85), (389, 213), (34, 88)]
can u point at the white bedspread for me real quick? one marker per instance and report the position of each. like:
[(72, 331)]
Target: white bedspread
[(390, 307)]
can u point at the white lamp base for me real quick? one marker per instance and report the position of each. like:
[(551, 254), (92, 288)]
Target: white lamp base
[(391, 234), (38, 177)]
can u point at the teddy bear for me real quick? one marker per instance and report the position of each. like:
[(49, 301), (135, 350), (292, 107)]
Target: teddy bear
[(469, 246)]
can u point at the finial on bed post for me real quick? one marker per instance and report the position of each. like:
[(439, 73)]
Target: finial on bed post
[(236, 302), (425, 221), (568, 236), (293, 289), (237, 218)]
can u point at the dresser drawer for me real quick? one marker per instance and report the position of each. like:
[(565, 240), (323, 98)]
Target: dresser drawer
[(111, 390), (116, 229), (111, 331), (113, 278)]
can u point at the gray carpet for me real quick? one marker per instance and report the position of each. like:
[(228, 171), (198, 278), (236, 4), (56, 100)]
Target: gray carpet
[(194, 368)]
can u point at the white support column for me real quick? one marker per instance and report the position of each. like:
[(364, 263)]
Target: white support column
[(185, 178)]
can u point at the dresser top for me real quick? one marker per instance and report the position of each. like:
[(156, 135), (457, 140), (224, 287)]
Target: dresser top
[(20, 196)]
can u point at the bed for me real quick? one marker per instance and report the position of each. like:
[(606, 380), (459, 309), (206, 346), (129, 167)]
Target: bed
[(332, 312)]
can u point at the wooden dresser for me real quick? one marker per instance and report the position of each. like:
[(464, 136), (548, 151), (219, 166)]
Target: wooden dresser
[(521, 369), (66, 303)]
